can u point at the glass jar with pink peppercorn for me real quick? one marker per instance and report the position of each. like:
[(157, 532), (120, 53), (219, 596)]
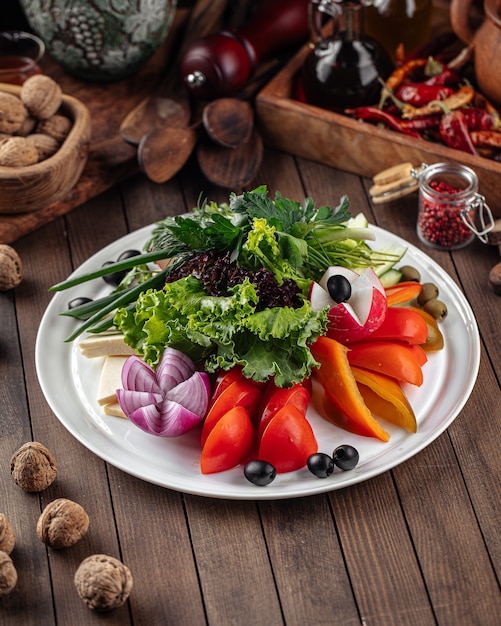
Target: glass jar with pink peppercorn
[(450, 207)]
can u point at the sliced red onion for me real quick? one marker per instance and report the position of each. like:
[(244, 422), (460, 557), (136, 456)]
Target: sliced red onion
[(170, 419), (193, 393), (174, 368), (137, 375), (168, 402), (130, 400)]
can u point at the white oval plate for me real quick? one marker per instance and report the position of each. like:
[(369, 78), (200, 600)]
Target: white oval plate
[(69, 382)]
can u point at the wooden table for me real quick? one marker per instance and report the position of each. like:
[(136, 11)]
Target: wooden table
[(417, 545)]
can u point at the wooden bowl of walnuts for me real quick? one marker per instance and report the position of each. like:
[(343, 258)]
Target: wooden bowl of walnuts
[(44, 144)]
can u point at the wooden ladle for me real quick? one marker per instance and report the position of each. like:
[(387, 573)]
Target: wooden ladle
[(228, 121), (230, 152)]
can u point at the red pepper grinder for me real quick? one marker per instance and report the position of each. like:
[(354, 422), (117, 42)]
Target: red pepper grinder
[(345, 67), (220, 65)]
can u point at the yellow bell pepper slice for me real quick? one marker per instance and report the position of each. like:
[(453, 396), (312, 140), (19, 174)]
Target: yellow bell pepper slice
[(384, 397)]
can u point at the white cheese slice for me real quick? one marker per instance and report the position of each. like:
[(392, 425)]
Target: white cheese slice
[(105, 345), (110, 379), (114, 409)]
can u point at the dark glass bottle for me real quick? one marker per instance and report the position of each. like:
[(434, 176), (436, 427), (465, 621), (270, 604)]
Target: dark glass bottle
[(345, 67)]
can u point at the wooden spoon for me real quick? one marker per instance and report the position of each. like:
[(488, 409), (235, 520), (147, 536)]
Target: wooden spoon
[(169, 104), (163, 151), (228, 121), (231, 168)]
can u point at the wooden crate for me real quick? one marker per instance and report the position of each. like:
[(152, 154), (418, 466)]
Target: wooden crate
[(350, 145)]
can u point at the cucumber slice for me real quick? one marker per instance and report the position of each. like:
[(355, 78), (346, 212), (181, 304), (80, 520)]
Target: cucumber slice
[(395, 254), (390, 278), (359, 221)]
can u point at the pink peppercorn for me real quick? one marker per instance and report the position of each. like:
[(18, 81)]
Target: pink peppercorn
[(446, 197)]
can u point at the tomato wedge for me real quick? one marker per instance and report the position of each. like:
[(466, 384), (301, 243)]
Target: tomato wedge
[(297, 395), (341, 390), (225, 378), (229, 443), (401, 324), (238, 393), (288, 440), (388, 357)]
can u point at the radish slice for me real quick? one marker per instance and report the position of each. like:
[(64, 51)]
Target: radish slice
[(137, 375), (361, 315), (193, 393), (130, 400)]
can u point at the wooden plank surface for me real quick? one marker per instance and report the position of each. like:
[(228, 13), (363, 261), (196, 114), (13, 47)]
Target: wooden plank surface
[(418, 545)]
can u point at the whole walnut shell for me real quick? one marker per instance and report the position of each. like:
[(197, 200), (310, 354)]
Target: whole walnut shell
[(33, 467), (103, 582), (7, 536), (17, 152), (41, 95), (11, 268), (62, 523), (57, 126), (8, 574), (45, 145), (12, 113)]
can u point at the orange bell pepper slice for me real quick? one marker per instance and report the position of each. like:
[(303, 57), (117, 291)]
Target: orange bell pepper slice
[(403, 292), (384, 396), (341, 389), (392, 358)]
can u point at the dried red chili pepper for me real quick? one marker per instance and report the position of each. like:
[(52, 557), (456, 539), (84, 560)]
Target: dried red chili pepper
[(445, 77), (459, 99), (486, 138), (480, 119), (420, 94), (375, 115), (421, 123), (398, 75), (454, 132)]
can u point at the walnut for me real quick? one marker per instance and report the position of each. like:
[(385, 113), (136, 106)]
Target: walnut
[(57, 126), (11, 268), (12, 113), (103, 582), (7, 536), (27, 127), (17, 152), (62, 523), (8, 574), (46, 146), (33, 467), (41, 95)]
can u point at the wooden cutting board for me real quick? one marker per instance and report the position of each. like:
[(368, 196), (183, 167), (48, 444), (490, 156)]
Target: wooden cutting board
[(111, 160)]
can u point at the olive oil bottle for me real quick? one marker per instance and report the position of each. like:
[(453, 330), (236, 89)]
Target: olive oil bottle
[(395, 22)]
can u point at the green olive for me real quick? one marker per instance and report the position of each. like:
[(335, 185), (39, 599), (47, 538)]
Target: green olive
[(409, 273), (429, 292), (436, 308)]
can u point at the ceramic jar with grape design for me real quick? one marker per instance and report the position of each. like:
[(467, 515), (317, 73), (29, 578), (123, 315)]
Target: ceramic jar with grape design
[(100, 40)]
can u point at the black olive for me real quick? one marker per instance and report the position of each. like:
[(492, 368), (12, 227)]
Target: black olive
[(72, 304), (115, 278), (320, 464), (345, 457), (128, 254), (260, 473), (339, 288)]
